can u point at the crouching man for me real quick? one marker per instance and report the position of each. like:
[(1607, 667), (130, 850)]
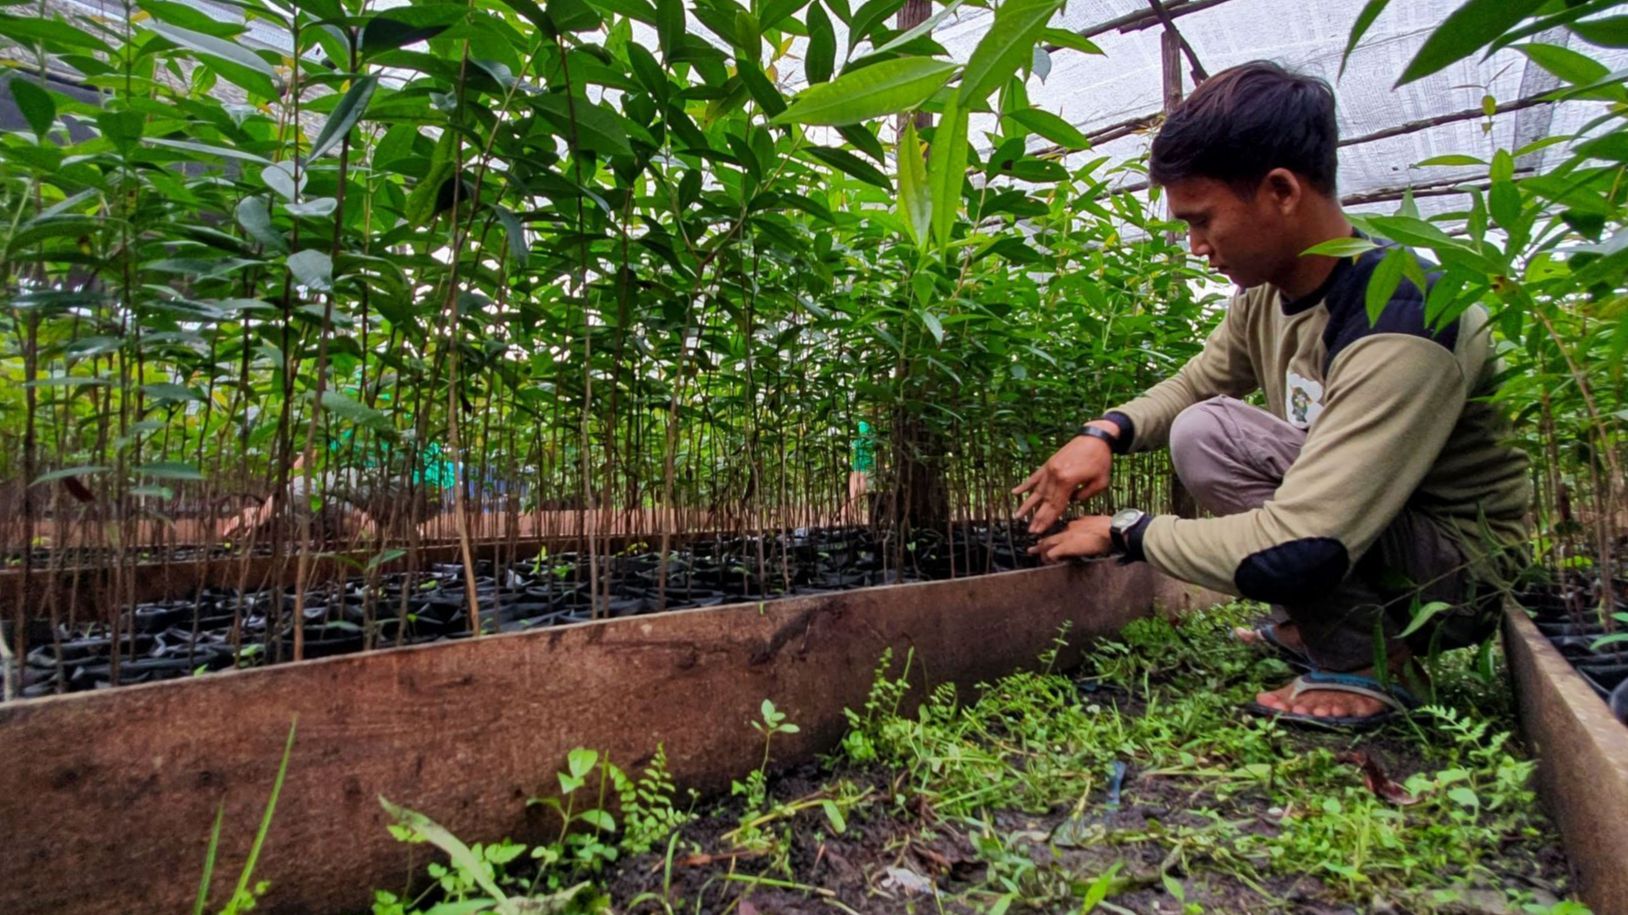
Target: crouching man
[(1374, 480)]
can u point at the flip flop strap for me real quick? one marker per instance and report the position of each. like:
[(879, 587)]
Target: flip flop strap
[(1395, 696), (1269, 633)]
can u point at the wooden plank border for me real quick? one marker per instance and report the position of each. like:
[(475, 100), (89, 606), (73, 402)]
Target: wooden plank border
[(108, 797), (1582, 753)]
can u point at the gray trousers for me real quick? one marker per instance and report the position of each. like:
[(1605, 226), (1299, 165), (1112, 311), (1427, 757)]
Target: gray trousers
[(1232, 457)]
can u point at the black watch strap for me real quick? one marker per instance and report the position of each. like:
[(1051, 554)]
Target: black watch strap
[(1103, 435)]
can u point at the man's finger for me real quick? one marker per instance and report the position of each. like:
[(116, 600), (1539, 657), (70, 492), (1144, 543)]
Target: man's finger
[(1027, 485), (1044, 517), (1043, 549), (1029, 504)]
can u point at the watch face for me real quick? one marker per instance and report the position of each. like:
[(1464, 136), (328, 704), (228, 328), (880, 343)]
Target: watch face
[(1125, 518)]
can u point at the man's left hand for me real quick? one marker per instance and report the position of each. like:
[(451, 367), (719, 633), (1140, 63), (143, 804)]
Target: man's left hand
[(1084, 537)]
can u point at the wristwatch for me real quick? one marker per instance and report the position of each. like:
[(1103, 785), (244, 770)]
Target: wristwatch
[(1119, 528), (1104, 435)]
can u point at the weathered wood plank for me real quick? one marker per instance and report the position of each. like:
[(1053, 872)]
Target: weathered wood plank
[(109, 797), (1582, 753)]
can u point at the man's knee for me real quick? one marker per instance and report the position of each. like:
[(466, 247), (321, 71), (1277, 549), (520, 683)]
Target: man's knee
[(1199, 442)]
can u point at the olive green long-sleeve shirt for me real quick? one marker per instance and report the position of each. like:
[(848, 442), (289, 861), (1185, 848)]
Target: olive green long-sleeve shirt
[(1395, 417)]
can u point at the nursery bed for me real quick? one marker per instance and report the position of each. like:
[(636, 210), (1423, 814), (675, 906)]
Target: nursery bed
[(468, 729), (1005, 799), (220, 620)]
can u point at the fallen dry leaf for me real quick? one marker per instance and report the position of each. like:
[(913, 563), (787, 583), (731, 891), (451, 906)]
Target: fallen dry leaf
[(906, 881), (1373, 775)]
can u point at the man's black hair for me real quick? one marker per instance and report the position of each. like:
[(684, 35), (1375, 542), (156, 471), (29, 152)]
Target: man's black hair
[(1245, 121)]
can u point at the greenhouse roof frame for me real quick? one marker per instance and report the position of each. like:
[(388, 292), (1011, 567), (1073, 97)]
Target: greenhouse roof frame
[(1116, 99)]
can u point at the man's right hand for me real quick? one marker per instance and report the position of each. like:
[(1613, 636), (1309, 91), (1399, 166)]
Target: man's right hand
[(1079, 470)]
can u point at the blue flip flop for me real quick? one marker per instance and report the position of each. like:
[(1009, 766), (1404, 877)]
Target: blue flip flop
[(1293, 657), (1397, 698)]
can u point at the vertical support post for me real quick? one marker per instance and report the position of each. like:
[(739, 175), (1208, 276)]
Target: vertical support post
[(1181, 501), (920, 496), (1170, 56)]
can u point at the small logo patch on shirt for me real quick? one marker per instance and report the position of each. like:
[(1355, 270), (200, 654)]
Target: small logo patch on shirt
[(1304, 400)]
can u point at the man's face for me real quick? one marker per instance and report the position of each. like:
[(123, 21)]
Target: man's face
[(1243, 238)]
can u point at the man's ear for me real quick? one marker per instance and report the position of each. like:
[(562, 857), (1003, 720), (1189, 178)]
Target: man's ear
[(1284, 190)]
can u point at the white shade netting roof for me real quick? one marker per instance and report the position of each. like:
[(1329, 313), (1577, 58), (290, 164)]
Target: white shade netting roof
[(1126, 82)]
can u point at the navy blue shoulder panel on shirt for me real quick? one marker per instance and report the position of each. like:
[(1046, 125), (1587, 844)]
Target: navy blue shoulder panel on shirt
[(1346, 299)]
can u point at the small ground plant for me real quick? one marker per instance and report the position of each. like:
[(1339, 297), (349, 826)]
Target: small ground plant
[(1133, 784), (509, 878)]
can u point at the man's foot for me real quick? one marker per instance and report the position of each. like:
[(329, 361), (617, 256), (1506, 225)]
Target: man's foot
[(1280, 639), (1354, 699), (1322, 703)]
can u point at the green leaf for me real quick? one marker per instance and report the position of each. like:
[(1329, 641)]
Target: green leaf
[(889, 87), (420, 206), (1571, 66), (1423, 615), (847, 162), (345, 115), (37, 106), (947, 168), (589, 126), (383, 558), (463, 859), (255, 218), (280, 178), (519, 248), (1387, 276), (1504, 203), (1466, 30), (1349, 246), (42, 228), (1074, 41), (1100, 888), (1036, 170), (573, 16), (924, 27), (210, 46), (581, 761), (864, 139), (1451, 159), (169, 470), (169, 391), (54, 34), (1365, 19), (312, 269), (1007, 45), (868, 17), (353, 410), (1421, 234), (822, 46), (1610, 32), (934, 326), (833, 815), (387, 33), (762, 91), (84, 470), (207, 149), (1052, 128), (670, 27), (317, 207), (638, 10), (915, 197), (776, 11)]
